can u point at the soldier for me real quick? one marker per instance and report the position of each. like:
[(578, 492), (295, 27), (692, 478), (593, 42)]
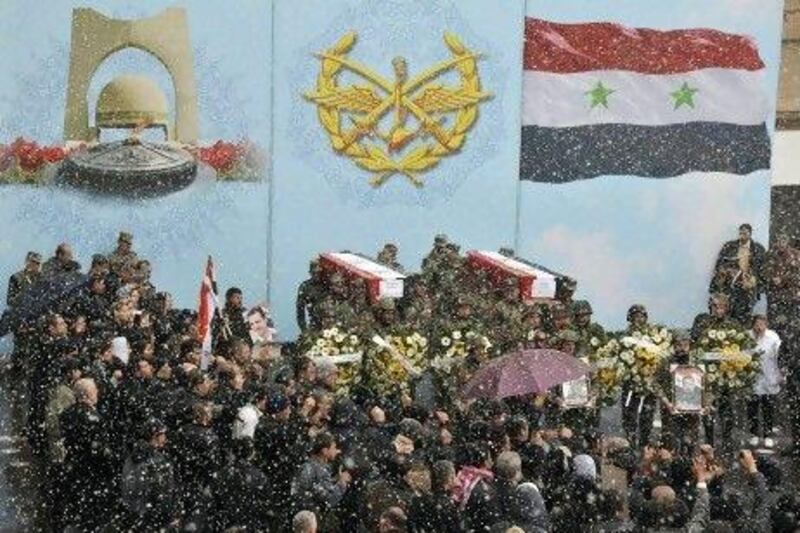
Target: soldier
[(338, 309), (18, 284), (309, 294), (565, 290), (718, 317), (506, 318), (579, 419), (782, 278), (680, 431), (431, 261), (419, 309), (21, 281), (724, 407), (738, 273), (61, 262), (141, 277), (591, 334), (386, 317), (100, 266), (534, 334), (123, 255), (388, 257), (638, 409), (560, 320)]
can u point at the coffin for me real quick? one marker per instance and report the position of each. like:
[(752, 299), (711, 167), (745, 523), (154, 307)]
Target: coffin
[(533, 282), (382, 282)]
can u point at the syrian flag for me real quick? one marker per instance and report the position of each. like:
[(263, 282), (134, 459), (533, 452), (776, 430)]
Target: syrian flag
[(603, 99), (206, 309)]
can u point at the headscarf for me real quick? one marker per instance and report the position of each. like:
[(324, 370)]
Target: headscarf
[(583, 466)]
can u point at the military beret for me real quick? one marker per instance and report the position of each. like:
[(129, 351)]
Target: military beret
[(34, 256), (569, 283), (126, 237), (440, 239), (559, 311), (508, 252), (636, 309), (582, 307), (390, 246), (681, 335)]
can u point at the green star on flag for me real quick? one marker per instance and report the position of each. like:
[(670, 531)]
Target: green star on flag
[(599, 95), (684, 95)]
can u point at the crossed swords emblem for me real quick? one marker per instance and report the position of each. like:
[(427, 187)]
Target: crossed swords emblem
[(366, 105)]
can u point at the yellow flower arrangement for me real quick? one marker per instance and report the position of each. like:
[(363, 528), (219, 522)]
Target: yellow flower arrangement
[(384, 373), (334, 342)]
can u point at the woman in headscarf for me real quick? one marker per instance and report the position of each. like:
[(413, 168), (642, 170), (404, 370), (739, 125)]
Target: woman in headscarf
[(581, 509)]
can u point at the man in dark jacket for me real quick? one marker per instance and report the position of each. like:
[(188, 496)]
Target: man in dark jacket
[(230, 323), (314, 487), (197, 457), (738, 273), (149, 490), (241, 491), (278, 445), (87, 464), (436, 512), (92, 301)]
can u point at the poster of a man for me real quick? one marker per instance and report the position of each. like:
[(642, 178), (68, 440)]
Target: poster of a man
[(688, 384), (576, 393)]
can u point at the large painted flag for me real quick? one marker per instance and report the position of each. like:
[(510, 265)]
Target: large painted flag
[(604, 99), (205, 312)]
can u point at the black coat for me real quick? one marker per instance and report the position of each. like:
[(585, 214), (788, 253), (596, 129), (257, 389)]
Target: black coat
[(241, 497), (433, 513), (88, 467), (149, 488)]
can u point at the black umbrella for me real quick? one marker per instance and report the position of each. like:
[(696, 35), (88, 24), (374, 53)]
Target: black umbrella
[(51, 293)]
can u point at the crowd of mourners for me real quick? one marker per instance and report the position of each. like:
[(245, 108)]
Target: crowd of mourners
[(131, 430)]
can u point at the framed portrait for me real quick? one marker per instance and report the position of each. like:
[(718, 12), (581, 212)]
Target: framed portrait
[(688, 389), (575, 393)]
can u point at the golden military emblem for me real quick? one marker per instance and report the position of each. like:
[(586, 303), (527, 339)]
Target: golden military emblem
[(403, 126)]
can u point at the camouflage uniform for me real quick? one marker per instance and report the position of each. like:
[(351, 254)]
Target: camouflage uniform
[(579, 419), (586, 331), (118, 259), (506, 318), (309, 295), (533, 332), (679, 431), (388, 257), (638, 424), (782, 277), (724, 408)]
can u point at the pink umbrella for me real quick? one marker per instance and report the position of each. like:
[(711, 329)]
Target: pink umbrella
[(524, 372)]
